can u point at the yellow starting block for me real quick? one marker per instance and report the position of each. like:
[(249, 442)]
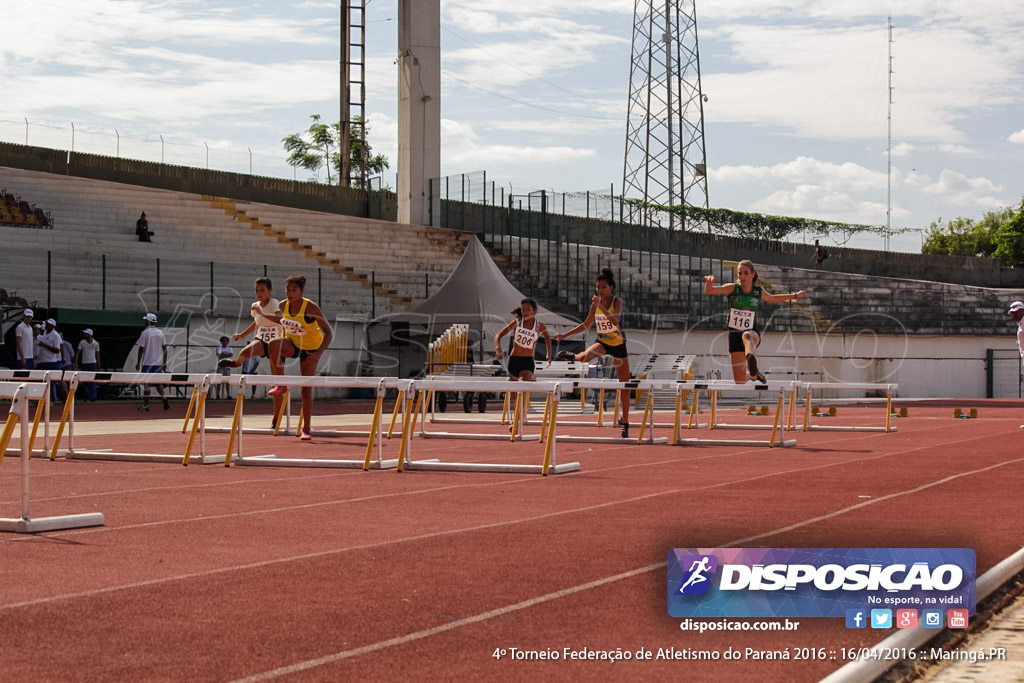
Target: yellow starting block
[(819, 411), (903, 412), (969, 415), (755, 410)]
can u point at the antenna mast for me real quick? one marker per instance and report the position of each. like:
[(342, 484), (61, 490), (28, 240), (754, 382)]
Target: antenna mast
[(665, 162), (888, 180)]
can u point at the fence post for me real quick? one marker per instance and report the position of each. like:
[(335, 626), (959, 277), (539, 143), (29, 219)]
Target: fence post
[(373, 294), (49, 276), (158, 285), (104, 285)]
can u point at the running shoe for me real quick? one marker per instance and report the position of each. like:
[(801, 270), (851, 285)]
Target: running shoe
[(143, 409), (228, 363), (755, 374), (306, 436), (566, 355), (277, 390)]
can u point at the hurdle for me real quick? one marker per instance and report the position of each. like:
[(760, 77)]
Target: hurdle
[(20, 394), (424, 389), (887, 426), (647, 421), (375, 433), (201, 385), (715, 387), (42, 413), (420, 387)]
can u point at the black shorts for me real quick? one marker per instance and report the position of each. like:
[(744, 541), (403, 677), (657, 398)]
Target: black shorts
[(615, 350), (301, 354), (517, 365), (736, 340)]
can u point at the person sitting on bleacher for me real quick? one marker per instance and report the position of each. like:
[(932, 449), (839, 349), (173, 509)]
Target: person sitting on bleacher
[(142, 229)]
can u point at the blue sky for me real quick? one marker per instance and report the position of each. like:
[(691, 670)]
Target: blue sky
[(535, 94)]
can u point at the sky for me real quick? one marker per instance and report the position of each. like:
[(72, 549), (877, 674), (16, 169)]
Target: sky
[(535, 93)]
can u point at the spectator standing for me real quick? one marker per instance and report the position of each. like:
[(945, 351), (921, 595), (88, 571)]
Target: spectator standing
[(25, 341), (142, 228), (820, 254), (48, 356), (251, 366), (223, 351), (152, 357), (88, 358)]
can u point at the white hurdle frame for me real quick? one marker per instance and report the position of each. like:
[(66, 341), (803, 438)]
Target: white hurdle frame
[(812, 386), (646, 422), (715, 387), (21, 393), (200, 382), (48, 377), (375, 433), (554, 390)]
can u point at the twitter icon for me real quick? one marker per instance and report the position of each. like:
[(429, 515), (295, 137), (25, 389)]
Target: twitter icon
[(881, 618)]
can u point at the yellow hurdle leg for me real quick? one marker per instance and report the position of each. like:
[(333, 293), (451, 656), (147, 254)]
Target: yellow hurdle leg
[(600, 408), (775, 422), (544, 422), (888, 413), (191, 405), (280, 411), (403, 449), (234, 425), (515, 417), (647, 414), (694, 408), (63, 421), (5, 437), (200, 407), (504, 408), (678, 417), (416, 410), (374, 425), (792, 402), (35, 425), (394, 414), (550, 445)]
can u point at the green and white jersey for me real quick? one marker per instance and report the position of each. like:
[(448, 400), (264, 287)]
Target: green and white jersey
[(743, 307)]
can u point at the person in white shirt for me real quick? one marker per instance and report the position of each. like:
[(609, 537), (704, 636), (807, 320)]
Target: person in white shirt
[(48, 356), (1017, 313), (25, 341), (152, 357), (266, 323), (88, 358)]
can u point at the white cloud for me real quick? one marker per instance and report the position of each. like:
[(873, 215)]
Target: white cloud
[(956, 188), (814, 201), (806, 170), (1017, 137), (463, 148), (902, 149)]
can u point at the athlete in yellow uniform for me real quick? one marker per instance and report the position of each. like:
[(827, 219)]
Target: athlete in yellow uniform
[(606, 312), (306, 335)]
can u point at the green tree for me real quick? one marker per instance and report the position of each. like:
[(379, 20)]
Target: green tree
[(965, 237), (320, 145), (1009, 238)]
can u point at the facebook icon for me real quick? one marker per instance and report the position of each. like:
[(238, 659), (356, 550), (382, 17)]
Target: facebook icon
[(856, 618)]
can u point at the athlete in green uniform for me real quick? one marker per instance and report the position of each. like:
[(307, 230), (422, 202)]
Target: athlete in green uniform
[(744, 326)]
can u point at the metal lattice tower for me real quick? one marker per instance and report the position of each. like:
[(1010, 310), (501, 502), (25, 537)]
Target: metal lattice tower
[(353, 91), (665, 162)]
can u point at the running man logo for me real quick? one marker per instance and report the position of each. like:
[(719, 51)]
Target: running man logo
[(817, 582), (695, 580)]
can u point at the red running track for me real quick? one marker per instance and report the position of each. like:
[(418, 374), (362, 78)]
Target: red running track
[(209, 573)]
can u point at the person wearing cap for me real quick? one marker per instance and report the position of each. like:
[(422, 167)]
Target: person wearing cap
[(87, 357), (152, 357), (25, 341), (48, 357)]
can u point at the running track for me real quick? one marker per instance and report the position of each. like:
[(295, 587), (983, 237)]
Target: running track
[(209, 573)]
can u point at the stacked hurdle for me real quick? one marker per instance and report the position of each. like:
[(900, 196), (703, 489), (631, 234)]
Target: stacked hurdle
[(20, 395), (450, 348)]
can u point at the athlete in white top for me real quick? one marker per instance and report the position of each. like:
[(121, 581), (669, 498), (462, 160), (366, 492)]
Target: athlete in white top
[(526, 331), (266, 323)]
